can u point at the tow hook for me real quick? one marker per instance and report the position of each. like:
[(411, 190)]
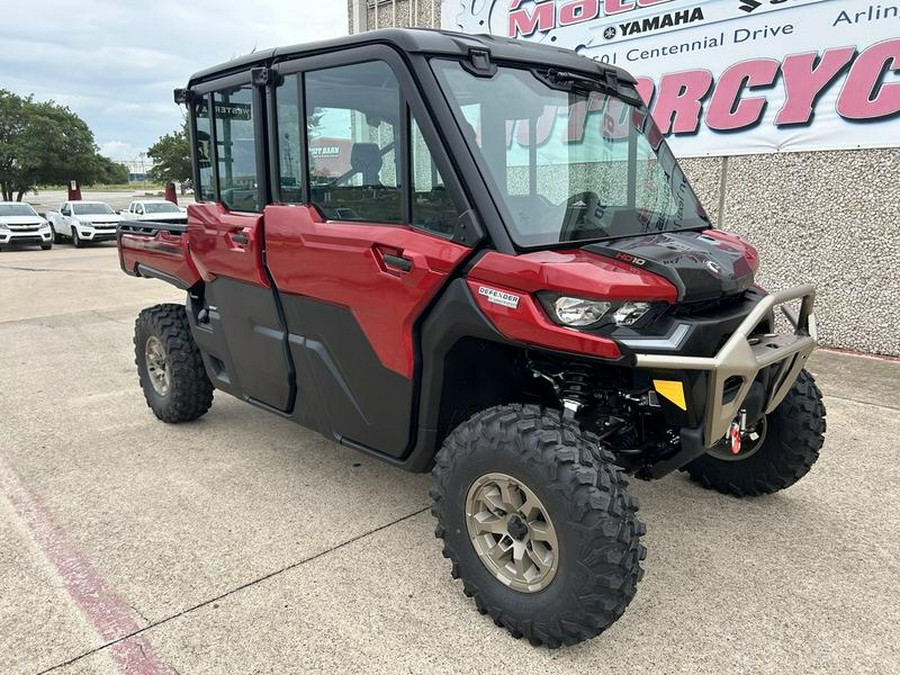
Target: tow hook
[(734, 437), (735, 430)]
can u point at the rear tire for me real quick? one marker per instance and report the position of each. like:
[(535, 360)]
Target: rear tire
[(583, 501), (795, 432), (170, 368)]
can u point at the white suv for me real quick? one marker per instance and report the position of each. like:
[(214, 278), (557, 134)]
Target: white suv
[(21, 224)]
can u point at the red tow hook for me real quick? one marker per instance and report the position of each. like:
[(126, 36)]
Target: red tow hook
[(734, 435)]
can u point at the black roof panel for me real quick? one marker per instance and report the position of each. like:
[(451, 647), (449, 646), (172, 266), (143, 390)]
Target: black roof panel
[(420, 41)]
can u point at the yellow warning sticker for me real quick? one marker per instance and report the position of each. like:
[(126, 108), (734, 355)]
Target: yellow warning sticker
[(671, 390)]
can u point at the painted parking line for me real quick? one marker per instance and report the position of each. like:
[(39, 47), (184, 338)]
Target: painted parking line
[(105, 610)]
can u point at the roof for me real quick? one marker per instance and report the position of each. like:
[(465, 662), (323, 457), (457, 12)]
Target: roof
[(420, 41)]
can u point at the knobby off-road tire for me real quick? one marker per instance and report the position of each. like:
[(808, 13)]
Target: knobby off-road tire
[(170, 368), (795, 432), (586, 500)]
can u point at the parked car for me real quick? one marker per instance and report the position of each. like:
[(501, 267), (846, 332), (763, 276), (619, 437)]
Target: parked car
[(157, 210), (21, 224), (502, 276), (84, 222)]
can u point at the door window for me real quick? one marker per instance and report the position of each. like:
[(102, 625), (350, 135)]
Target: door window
[(350, 147), (432, 207), (353, 138), (205, 190), (236, 148)]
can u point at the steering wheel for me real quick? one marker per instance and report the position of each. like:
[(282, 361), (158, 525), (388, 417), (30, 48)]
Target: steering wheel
[(588, 215)]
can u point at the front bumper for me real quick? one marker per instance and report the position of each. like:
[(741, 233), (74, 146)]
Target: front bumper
[(97, 234), (732, 371), (34, 236)]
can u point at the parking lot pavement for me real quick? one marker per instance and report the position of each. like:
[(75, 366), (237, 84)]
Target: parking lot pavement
[(243, 543)]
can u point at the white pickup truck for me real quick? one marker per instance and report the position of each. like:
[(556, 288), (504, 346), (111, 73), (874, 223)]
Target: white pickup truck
[(21, 224), (84, 222), (156, 210)]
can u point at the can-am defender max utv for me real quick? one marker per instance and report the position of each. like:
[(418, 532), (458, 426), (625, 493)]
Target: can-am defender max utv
[(477, 256)]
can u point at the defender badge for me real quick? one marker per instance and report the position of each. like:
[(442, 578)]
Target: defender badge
[(499, 297)]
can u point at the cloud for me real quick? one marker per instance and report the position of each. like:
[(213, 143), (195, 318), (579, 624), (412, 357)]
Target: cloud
[(116, 63), (120, 151)]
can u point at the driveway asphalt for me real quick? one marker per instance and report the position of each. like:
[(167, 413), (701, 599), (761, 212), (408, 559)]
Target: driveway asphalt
[(244, 544)]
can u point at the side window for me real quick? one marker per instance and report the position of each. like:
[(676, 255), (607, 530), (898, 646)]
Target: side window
[(205, 191), (290, 161), (236, 152), (353, 128), (432, 207)]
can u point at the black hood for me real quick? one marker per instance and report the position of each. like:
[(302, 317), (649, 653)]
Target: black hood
[(701, 267)]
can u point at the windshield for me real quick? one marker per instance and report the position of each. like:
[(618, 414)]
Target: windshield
[(91, 209), (568, 164), (161, 207), (16, 210)]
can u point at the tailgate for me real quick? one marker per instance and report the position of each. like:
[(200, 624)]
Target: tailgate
[(156, 250)]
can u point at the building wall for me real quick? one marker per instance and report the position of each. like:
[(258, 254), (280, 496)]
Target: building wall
[(830, 218)]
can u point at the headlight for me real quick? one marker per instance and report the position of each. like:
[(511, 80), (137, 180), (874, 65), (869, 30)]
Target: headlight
[(630, 313), (579, 312), (583, 312)]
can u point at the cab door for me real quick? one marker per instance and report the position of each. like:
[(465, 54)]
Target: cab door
[(364, 239), (241, 331)]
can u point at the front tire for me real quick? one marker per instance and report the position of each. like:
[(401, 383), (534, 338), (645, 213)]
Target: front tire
[(46, 247), (77, 241), (538, 524), (793, 436), (170, 368)]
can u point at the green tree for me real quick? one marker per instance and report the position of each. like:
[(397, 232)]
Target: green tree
[(42, 143), (110, 172), (171, 156)]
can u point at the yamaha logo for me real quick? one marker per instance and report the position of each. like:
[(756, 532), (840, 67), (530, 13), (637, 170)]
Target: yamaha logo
[(609, 32)]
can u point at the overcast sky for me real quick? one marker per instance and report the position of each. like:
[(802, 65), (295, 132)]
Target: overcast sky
[(116, 62)]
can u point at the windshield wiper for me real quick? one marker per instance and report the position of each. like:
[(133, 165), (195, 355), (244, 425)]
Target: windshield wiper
[(568, 79)]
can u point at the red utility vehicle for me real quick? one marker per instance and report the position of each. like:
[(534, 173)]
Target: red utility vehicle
[(478, 257)]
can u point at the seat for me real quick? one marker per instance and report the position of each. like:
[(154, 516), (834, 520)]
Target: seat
[(365, 158)]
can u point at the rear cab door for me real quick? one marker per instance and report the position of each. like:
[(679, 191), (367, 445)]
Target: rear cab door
[(237, 322), (367, 226)]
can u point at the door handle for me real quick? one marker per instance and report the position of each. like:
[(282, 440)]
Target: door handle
[(397, 262), (240, 238)]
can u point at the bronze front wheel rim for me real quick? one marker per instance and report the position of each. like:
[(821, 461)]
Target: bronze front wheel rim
[(512, 533), (158, 370)]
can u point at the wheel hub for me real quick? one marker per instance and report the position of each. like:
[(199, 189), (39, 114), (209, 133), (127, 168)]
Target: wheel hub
[(158, 370), (511, 532), (517, 528)]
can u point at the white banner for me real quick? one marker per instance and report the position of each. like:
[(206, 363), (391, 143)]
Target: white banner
[(727, 77)]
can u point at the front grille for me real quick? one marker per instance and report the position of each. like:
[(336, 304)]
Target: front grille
[(710, 306), (24, 228)]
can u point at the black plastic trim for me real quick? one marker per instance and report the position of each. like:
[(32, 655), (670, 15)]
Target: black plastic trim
[(151, 272)]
